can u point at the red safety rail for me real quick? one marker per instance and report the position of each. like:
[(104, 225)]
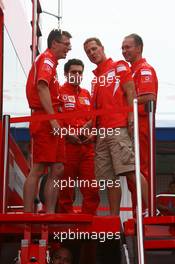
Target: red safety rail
[(105, 209), (44, 226), (59, 222), (159, 231), (18, 171)]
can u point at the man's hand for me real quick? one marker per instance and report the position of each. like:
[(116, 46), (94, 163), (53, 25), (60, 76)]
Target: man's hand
[(73, 139), (131, 124), (55, 127), (131, 129), (45, 98), (129, 89), (89, 139), (54, 124), (85, 130)]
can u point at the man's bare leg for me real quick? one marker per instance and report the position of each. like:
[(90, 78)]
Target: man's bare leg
[(51, 192), (114, 198), (144, 185), (31, 185)]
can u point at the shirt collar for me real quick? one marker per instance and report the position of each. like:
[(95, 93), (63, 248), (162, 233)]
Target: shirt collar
[(102, 67), (52, 55), (137, 63), (71, 88)]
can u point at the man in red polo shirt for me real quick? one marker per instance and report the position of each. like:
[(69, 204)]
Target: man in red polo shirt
[(113, 91), (48, 149), (166, 200), (146, 85), (79, 165)]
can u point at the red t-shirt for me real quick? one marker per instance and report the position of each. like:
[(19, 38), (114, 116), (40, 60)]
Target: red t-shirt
[(44, 68), (108, 93), (167, 199), (145, 80), (73, 99)]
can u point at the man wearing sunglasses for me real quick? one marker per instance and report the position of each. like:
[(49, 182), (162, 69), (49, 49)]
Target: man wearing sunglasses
[(48, 148)]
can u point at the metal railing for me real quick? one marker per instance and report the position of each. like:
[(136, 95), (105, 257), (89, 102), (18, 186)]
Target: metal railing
[(152, 167), (5, 160), (140, 245)]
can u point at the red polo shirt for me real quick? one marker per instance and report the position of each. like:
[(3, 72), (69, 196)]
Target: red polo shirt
[(167, 201), (46, 147), (145, 80), (108, 93), (73, 98), (43, 69)]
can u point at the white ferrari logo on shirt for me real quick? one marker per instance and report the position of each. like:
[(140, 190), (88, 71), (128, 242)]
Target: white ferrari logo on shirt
[(87, 102), (146, 72), (65, 97), (71, 98), (121, 68), (69, 105)]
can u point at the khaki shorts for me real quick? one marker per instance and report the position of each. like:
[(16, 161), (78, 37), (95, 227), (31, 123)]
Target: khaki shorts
[(114, 155)]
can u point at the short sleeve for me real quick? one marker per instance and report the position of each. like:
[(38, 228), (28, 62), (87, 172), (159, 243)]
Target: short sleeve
[(123, 72), (147, 82), (46, 70)]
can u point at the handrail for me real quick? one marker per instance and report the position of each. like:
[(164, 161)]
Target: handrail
[(152, 170), (140, 246), (6, 128)]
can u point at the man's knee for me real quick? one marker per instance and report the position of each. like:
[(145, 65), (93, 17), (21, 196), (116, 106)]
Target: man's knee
[(37, 170), (130, 176)]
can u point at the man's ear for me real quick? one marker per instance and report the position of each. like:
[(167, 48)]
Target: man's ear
[(139, 49), (54, 42)]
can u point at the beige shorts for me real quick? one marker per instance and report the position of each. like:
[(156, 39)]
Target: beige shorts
[(114, 155)]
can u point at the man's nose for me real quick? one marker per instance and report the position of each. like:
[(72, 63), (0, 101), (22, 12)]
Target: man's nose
[(70, 47)]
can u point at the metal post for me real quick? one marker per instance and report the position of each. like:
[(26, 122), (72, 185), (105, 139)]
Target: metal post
[(6, 128), (1, 61), (152, 172), (34, 46), (59, 13), (34, 29), (140, 245), (59, 17)]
